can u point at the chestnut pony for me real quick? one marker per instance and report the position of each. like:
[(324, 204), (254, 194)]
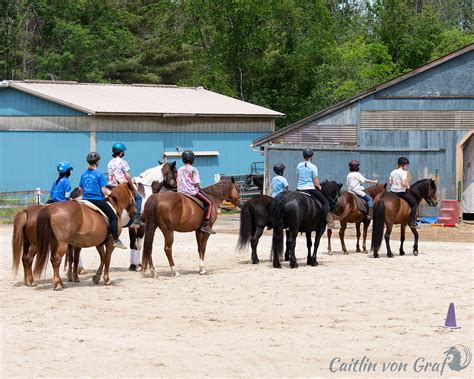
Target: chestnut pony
[(348, 212), (390, 209), (71, 222), (173, 211)]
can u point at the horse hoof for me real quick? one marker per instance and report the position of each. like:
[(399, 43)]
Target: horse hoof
[(294, 265), (415, 252), (96, 279), (176, 274), (329, 252), (58, 287), (76, 280), (365, 252), (276, 265), (201, 272), (107, 282), (255, 261), (357, 250), (390, 255), (287, 259), (376, 255), (345, 253), (402, 253)]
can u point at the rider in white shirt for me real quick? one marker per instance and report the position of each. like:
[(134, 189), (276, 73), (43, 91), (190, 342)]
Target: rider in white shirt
[(354, 184), (399, 185)]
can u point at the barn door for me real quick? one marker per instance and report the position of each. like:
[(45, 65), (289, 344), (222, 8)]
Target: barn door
[(468, 180)]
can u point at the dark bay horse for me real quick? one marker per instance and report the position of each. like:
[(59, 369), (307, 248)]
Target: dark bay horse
[(390, 209), (255, 216), (254, 180), (298, 212), (172, 211), (73, 223), (347, 211)]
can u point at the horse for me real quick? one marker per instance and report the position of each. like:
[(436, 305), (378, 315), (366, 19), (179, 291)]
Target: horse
[(24, 244), (73, 223), (347, 212), (390, 209), (255, 216), (300, 212), (172, 211)]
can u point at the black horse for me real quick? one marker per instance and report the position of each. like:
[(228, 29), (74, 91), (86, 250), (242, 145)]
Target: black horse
[(254, 180), (299, 212)]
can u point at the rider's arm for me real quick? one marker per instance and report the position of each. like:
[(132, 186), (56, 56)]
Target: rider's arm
[(405, 183), (316, 183), (104, 191), (130, 181), (371, 181)]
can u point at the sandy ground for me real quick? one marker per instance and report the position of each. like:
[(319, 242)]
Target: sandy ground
[(242, 319)]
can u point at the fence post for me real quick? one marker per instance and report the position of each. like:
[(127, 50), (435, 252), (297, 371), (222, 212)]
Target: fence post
[(38, 196)]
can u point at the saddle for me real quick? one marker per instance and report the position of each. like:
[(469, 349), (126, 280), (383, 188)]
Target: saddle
[(318, 203), (88, 204), (361, 203), (197, 201)]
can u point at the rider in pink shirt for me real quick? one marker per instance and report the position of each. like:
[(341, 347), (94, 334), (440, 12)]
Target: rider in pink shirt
[(188, 183)]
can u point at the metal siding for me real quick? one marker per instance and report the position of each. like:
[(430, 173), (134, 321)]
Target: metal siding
[(372, 104), (17, 103), (452, 78), (145, 149), (45, 123), (29, 159)]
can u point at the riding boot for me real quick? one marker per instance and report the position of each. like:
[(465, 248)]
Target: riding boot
[(206, 228), (119, 244), (330, 221), (137, 222), (413, 223), (370, 213)]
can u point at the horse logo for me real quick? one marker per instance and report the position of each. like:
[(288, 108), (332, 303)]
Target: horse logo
[(460, 357)]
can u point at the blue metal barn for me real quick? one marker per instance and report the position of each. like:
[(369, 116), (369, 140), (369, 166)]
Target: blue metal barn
[(42, 123), (426, 115)]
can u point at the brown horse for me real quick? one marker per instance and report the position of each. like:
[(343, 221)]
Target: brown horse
[(70, 222), (348, 212), (172, 211), (390, 209)]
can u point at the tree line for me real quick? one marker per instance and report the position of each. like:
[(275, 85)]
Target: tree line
[(294, 56)]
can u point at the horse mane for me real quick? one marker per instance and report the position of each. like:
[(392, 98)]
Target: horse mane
[(421, 188), (218, 189), (119, 192)]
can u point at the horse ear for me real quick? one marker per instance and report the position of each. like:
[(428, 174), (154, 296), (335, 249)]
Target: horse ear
[(160, 162), (173, 164), (327, 180), (385, 186), (339, 185), (232, 179)]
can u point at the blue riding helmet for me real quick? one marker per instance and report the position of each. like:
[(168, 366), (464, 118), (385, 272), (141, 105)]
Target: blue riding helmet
[(119, 146), (64, 166)]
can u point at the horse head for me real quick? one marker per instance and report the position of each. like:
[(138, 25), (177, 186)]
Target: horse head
[(425, 189), (332, 191), (227, 190)]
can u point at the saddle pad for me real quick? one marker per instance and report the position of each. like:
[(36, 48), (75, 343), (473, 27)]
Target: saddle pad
[(361, 203), (197, 201), (90, 205), (318, 203)]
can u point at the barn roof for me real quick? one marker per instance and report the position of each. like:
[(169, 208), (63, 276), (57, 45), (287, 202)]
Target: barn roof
[(262, 140), (140, 99)]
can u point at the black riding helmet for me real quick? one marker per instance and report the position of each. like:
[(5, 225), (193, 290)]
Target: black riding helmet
[(187, 156), (403, 161), (279, 168), (307, 153), (93, 157)]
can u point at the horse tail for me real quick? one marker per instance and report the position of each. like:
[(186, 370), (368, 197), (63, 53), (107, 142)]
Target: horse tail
[(247, 225), (378, 224), (44, 234), (18, 238), (277, 221), (150, 226)]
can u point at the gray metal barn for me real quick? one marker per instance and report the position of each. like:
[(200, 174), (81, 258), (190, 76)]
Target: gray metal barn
[(426, 114)]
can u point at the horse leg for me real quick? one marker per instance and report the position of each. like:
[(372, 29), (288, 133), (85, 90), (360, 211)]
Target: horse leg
[(317, 239), (77, 255), (254, 242), (57, 252), (69, 259), (402, 238), (291, 242), (109, 248), (29, 253), (101, 251), (342, 232), (287, 247), (202, 243), (415, 245), (358, 237), (364, 243), (309, 244), (329, 241), (387, 240), (169, 239)]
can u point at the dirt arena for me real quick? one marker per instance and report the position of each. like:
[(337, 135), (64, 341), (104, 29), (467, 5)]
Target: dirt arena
[(242, 319)]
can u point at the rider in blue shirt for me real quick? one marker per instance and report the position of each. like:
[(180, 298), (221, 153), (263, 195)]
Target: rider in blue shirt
[(61, 189), (308, 182), (279, 182), (94, 189)]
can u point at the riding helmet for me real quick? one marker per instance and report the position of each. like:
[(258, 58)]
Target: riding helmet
[(187, 156), (279, 168), (403, 161), (307, 153), (64, 166), (93, 157), (118, 148), (354, 163)]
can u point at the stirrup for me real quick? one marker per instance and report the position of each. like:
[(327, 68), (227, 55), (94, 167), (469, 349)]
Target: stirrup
[(207, 229)]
